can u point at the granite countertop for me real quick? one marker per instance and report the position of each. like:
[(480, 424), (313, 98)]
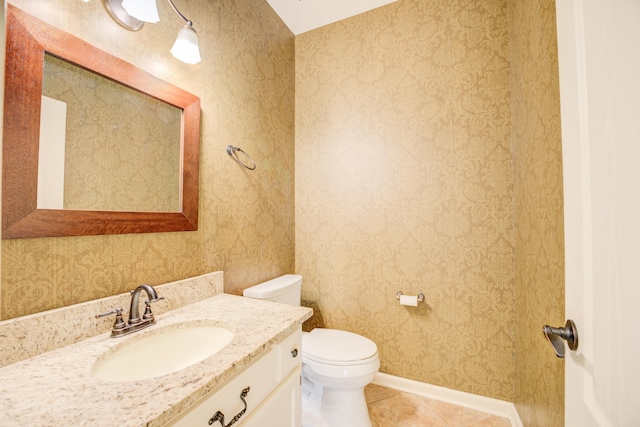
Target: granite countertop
[(58, 389)]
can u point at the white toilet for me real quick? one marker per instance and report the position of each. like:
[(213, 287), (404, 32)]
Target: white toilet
[(336, 365)]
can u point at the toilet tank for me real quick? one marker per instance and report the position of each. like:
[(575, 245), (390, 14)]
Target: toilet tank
[(284, 289)]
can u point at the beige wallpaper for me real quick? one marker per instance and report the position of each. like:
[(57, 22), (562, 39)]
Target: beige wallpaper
[(403, 182), (246, 86), (539, 241), (122, 150)]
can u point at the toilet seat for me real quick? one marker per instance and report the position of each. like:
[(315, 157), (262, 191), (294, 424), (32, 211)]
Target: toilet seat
[(336, 347)]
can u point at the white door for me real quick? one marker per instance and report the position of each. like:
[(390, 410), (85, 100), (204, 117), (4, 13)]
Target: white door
[(599, 54)]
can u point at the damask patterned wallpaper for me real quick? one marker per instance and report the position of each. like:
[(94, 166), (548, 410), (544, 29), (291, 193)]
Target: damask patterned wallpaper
[(404, 182), (246, 86), (538, 194), (428, 158)]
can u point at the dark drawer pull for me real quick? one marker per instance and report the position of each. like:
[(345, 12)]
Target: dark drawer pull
[(219, 416)]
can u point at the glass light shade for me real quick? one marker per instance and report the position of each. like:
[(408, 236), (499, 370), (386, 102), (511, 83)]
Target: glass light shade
[(144, 10), (186, 46)]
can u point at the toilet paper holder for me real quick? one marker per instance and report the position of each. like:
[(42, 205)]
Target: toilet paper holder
[(420, 296)]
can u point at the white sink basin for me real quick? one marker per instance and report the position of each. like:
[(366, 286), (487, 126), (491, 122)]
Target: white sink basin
[(161, 351)]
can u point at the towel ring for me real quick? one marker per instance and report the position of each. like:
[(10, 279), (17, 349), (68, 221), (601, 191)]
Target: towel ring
[(231, 150)]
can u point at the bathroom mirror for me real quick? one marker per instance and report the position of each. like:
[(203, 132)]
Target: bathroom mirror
[(86, 158), (162, 155)]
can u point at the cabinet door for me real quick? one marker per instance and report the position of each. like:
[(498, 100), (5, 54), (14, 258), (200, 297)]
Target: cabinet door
[(281, 408), (289, 354)]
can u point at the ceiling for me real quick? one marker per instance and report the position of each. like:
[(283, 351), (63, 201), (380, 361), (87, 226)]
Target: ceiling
[(305, 15)]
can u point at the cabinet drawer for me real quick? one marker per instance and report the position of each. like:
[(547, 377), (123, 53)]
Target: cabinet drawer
[(259, 377), (289, 354), (282, 407)]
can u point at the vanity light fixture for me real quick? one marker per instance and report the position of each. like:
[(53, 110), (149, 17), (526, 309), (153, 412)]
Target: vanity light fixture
[(144, 10), (186, 46), (132, 14)]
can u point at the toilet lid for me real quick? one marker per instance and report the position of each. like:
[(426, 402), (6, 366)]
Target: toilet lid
[(337, 346)]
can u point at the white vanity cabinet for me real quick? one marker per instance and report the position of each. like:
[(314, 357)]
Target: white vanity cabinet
[(270, 386)]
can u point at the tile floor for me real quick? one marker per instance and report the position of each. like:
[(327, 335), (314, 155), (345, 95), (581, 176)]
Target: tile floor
[(393, 408)]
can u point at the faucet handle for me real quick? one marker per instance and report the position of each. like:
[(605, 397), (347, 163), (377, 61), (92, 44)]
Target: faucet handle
[(116, 311), (154, 300), (147, 308), (119, 323)]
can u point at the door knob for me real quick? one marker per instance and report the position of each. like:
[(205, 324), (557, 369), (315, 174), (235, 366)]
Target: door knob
[(556, 336)]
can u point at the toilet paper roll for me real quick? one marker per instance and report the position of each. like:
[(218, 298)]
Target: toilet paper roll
[(409, 300)]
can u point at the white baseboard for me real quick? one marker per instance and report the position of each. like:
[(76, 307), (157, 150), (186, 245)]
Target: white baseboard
[(491, 406)]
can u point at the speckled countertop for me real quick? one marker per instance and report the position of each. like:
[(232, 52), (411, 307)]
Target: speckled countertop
[(58, 388)]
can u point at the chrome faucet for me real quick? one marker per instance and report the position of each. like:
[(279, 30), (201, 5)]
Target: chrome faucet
[(135, 323)]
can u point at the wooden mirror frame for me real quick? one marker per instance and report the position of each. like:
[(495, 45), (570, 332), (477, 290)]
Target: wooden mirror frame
[(27, 41)]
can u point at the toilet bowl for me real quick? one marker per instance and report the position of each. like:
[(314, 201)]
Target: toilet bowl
[(336, 365)]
